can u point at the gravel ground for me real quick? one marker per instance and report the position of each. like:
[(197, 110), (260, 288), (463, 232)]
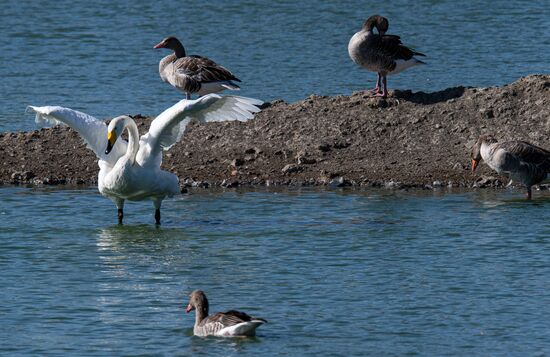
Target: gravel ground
[(409, 139)]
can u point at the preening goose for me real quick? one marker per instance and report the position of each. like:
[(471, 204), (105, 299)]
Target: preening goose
[(131, 170), (381, 53), (519, 160), (193, 74), (226, 324)]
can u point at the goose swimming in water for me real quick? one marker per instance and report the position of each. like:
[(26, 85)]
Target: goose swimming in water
[(519, 160), (193, 74), (381, 53), (131, 170), (226, 324)]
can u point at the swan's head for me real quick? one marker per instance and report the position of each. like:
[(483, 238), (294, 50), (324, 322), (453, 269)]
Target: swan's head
[(114, 130), (197, 300), (380, 22), (169, 42), (475, 154)]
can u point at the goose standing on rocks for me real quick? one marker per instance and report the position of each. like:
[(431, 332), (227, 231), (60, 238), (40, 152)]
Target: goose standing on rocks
[(131, 170), (231, 323), (193, 74), (381, 53), (519, 160)]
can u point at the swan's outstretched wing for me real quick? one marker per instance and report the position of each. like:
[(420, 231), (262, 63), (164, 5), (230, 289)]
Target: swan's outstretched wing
[(169, 126), (92, 130)]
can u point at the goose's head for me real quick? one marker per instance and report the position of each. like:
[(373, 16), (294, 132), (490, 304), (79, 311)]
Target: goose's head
[(475, 153), (170, 42), (380, 22), (197, 300), (114, 130)]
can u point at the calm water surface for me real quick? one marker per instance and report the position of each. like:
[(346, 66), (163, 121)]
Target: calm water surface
[(98, 57), (354, 273)]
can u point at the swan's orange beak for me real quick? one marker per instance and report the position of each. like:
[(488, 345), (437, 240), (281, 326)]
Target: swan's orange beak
[(159, 45), (111, 139), (474, 164), (189, 308)]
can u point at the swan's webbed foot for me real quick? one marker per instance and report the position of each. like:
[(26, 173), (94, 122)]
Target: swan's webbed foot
[(120, 215), (529, 194), (157, 216), (188, 96)]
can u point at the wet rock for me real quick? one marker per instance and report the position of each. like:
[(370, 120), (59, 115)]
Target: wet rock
[(340, 182), (488, 181), (393, 185), (21, 176), (230, 183)]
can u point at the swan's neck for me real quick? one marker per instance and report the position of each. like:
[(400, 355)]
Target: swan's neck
[(133, 140), (201, 314)]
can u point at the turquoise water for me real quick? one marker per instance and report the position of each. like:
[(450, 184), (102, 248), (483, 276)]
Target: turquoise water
[(347, 273), (342, 273), (98, 57)]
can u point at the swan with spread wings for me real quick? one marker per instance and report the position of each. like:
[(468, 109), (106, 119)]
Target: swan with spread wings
[(131, 170)]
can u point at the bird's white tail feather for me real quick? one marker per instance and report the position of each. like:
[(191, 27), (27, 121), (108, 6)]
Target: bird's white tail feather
[(242, 329), (401, 65), (231, 86)]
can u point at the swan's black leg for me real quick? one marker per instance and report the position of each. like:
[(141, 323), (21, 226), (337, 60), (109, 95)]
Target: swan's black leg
[(157, 216), (120, 215)]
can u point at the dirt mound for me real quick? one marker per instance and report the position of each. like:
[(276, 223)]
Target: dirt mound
[(408, 139)]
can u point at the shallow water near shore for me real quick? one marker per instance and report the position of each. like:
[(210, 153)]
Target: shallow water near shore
[(346, 272), (99, 58)]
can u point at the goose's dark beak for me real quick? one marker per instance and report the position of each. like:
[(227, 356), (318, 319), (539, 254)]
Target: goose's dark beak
[(111, 139)]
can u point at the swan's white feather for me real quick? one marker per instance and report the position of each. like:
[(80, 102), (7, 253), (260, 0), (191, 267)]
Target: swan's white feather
[(168, 128), (92, 130)]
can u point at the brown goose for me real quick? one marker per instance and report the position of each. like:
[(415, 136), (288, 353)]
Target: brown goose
[(226, 324), (381, 53), (519, 160), (193, 74)]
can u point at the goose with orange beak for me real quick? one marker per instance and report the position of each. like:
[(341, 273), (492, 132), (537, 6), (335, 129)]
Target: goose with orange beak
[(519, 160)]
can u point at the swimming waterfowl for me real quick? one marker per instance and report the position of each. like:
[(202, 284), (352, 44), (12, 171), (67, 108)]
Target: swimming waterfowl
[(519, 160), (381, 53), (193, 74), (226, 324), (131, 170)]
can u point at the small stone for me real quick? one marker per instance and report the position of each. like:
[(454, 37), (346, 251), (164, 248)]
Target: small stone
[(393, 185), (487, 113), (237, 162), (291, 168), (324, 147)]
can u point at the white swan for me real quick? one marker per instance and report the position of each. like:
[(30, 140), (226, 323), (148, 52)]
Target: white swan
[(131, 170)]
